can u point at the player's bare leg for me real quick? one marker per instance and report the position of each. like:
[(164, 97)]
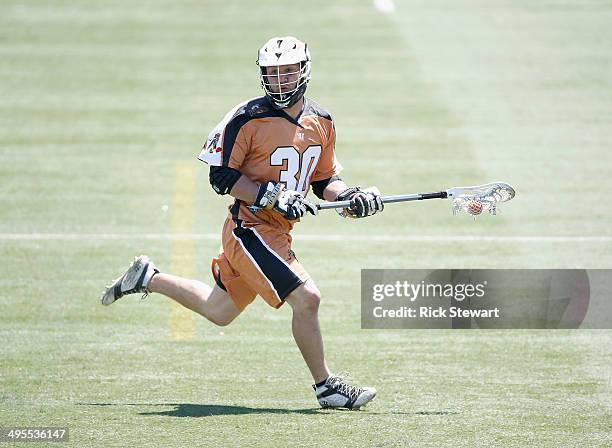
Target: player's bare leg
[(214, 304), (143, 277), (304, 301), (331, 390)]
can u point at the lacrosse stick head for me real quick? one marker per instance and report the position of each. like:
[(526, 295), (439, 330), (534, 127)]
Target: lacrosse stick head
[(480, 198)]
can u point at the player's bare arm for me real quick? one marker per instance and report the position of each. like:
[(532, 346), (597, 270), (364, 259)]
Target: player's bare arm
[(245, 190)]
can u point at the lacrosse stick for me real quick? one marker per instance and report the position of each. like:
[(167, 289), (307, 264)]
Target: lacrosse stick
[(473, 200)]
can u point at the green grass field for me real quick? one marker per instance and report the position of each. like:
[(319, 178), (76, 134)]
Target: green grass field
[(103, 104)]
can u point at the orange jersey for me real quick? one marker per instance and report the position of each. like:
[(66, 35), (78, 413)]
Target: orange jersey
[(266, 144)]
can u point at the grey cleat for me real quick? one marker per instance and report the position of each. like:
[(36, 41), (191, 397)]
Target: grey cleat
[(135, 280)]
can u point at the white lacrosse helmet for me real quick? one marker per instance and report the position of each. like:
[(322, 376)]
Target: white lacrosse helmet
[(284, 51)]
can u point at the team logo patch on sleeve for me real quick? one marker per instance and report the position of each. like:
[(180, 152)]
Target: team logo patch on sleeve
[(211, 152), (212, 144)]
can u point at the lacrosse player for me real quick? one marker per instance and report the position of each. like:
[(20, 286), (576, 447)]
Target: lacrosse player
[(267, 153)]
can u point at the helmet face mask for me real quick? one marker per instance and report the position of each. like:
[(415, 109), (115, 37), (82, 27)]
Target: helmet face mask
[(284, 70)]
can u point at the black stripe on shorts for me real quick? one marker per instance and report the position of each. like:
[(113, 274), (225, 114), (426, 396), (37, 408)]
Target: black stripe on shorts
[(279, 274)]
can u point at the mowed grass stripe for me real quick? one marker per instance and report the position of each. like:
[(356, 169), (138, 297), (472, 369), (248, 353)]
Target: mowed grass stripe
[(183, 249)]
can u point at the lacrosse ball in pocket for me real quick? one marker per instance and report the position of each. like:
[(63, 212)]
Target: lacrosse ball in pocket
[(474, 207)]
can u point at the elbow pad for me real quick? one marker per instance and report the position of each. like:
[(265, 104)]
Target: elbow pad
[(223, 178), (319, 186)]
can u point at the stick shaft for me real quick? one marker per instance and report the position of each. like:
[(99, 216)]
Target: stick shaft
[(387, 199)]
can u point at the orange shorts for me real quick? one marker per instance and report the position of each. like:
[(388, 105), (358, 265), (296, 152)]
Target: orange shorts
[(257, 260)]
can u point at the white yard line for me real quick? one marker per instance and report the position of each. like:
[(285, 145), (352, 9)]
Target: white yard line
[(326, 237)]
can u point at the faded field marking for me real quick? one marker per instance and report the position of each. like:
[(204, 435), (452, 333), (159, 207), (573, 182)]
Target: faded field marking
[(183, 249)]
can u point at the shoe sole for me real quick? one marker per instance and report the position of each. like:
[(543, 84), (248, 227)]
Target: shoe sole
[(354, 408)]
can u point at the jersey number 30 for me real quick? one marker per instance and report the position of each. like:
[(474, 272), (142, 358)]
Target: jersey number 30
[(299, 169)]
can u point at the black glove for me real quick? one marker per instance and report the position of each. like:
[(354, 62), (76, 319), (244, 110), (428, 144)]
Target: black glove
[(363, 202)]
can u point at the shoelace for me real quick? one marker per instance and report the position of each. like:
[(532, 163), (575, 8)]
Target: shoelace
[(141, 289), (344, 388)]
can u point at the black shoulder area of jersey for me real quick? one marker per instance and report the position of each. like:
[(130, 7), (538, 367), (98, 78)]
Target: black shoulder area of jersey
[(312, 108), (255, 108)]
